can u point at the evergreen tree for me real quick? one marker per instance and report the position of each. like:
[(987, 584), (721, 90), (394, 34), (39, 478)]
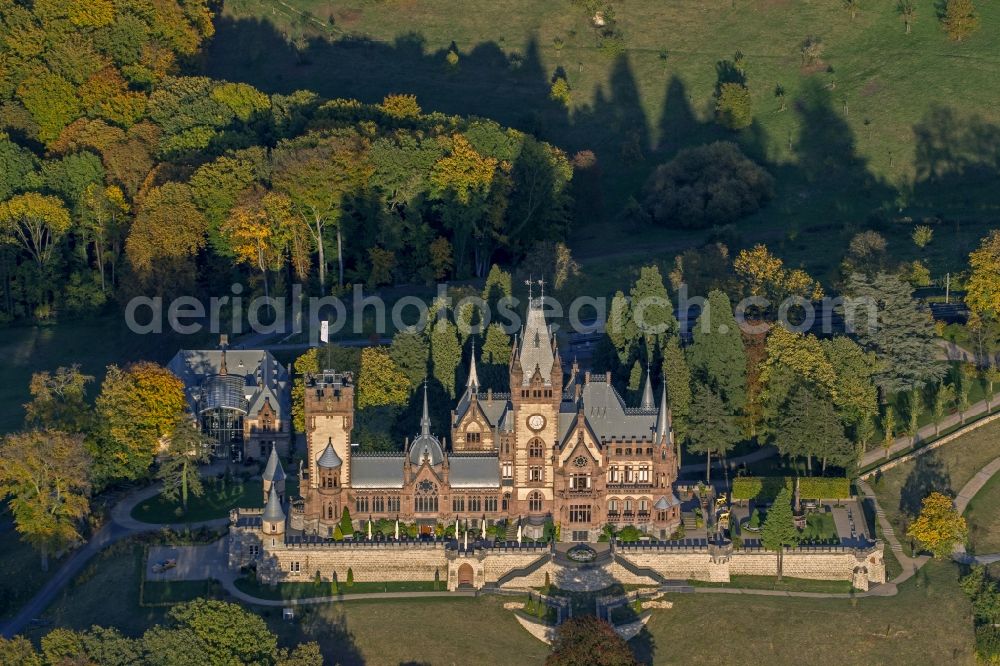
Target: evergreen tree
[(186, 448), (678, 378), (410, 351), (809, 427), (346, 526), (717, 356), (888, 321), (779, 529), (446, 354), (713, 427), (621, 329), (652, 310), (498, 285), (496, 346)]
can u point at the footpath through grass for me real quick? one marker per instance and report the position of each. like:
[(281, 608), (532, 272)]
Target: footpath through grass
[(983, 516), (786, 584), (946, 469), (253, 587)]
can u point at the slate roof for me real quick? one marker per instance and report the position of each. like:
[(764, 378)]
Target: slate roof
[(329, 459), (273, 513), (606, 414), (666, 502), (252, 376), (535, 353), (474, 471), (273, 471), (377, 471)]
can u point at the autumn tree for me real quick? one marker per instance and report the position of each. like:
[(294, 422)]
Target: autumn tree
[(104, 221), (168, 230), (35, 223), (982, 292), (939, 527), (44, 474), (587, 640), (137, 408), (381, 381), (186, 448), (259, 230), (462, 182), (317, 173), (779, 530), (59, 400), (960, 19)]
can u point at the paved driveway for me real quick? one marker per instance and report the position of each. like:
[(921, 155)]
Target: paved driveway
[(193, 562)]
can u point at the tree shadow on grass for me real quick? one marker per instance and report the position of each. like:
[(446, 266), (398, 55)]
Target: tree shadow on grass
[(929, 475)]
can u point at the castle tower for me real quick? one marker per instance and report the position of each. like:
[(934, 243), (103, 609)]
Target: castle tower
[(329, 412), (274, 476), (536, 385), (273, 520)]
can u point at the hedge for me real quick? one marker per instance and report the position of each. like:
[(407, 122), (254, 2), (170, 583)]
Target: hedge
[(810, 487)]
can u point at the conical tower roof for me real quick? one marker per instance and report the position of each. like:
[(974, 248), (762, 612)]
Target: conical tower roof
[(273, 513), (648, 402), (329, 459), (663, 416), (273, 471)]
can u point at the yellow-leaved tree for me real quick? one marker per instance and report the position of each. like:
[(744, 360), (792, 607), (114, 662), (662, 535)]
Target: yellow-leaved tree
[(982, 293), (35, 222), (939, 527), (381, 382), (45, 475)]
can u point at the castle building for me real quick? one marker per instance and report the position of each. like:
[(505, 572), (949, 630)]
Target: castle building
[(555, 449), (240, 399)]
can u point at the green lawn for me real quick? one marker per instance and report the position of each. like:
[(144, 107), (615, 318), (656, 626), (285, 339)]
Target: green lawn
[(22, 569), (168, 592), (878, 110), (216, 502), (93, 343), (928, 622), (901, 489), (310, 590), (106, 592), (785, 584), (983, 516)]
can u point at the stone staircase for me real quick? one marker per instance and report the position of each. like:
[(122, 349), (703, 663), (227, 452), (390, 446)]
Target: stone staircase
[(689, 521), (887, 531), (511, 533)]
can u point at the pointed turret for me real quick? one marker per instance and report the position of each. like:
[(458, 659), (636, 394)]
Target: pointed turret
[(663, 417), (473, 384), (425, 420), (273, 519), (647, 392), (536, 353), (273, 476), (329, 459)]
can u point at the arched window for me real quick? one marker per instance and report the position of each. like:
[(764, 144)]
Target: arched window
[(329, 512), (535, 448), (535, 501), (505, 503)]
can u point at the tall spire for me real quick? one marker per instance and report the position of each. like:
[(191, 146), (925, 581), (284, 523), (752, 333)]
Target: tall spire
[(647, 391), (473, 383), (425, 420), (663, 416)]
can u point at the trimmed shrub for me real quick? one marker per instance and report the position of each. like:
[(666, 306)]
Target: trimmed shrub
[(766, 488)]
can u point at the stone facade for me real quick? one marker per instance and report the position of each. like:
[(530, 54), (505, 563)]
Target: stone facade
[(555, 449)]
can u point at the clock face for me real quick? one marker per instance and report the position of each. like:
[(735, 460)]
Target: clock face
[(580, 461), (536, 421)]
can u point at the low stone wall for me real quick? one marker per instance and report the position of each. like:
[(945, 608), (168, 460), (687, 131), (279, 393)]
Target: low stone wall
[(860, 566)]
